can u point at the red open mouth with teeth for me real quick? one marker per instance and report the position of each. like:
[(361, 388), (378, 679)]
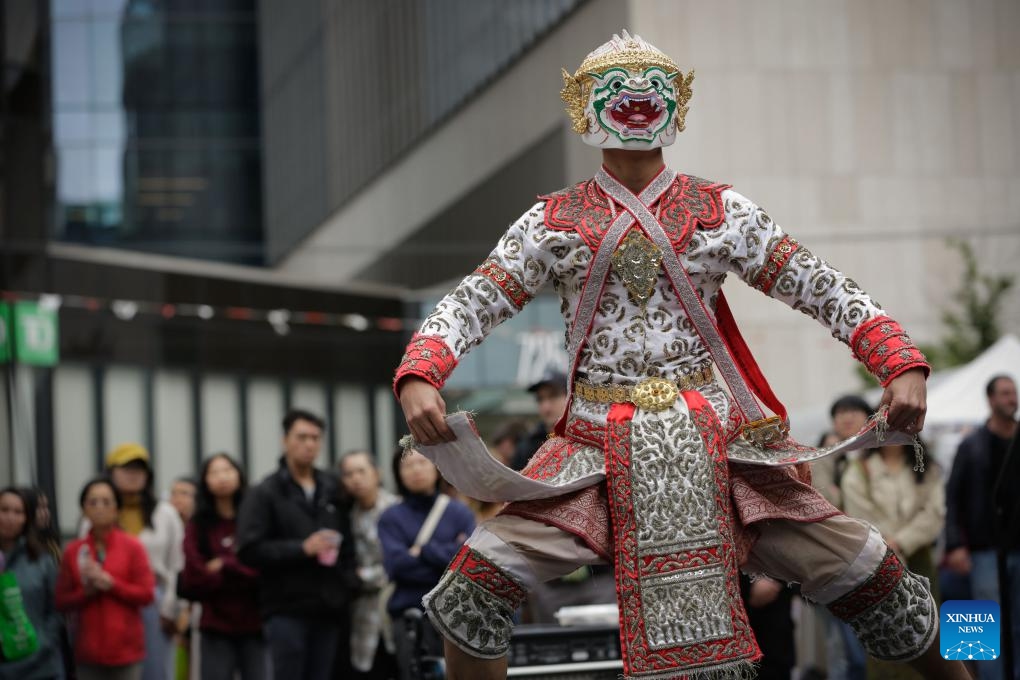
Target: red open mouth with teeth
[(637, 113)]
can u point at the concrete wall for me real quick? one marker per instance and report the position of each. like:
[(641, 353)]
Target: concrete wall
[(157, 409)]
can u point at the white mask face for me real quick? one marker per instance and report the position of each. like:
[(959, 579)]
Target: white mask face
[(627, 94), (631, 109)]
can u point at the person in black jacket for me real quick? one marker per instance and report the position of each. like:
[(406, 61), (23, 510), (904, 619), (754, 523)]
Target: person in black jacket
[(768, 603), (550, 392), (295, 532), (971, 516)]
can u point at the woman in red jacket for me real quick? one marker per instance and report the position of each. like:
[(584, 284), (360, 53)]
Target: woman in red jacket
[(105, 580)]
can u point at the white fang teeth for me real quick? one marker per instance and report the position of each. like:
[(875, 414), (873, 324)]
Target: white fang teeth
[(629, 102)]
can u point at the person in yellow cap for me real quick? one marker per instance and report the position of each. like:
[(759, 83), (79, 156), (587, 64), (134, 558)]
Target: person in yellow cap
[(158, 526), (133, 462)]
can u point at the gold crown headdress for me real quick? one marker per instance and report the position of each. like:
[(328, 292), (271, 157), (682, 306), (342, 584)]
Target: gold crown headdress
[(629, 52)]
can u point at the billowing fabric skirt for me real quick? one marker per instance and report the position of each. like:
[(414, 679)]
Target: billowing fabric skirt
[(677, 518)]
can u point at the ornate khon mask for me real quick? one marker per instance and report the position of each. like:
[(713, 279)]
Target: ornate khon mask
[(627, 94)]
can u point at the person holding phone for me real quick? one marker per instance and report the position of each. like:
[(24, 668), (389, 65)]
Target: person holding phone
[(105, 581), (293, 530)]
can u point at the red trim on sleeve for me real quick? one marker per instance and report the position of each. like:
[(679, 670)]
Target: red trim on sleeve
[(775, 262), (886, 350), (507, 282), (429, 358)]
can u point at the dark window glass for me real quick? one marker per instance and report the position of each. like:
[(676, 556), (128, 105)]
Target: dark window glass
[(156, 126)]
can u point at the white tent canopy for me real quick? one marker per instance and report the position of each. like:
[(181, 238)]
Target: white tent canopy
[(960, 399)]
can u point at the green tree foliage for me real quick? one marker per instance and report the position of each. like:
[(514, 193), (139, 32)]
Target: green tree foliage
[(972, 322), (973, 325)]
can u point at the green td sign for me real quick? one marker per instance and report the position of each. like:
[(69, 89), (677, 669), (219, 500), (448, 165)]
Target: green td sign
[(29, 334)]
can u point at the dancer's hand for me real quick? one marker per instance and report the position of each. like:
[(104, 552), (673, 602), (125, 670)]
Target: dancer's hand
[(906, 398), (425, 412)]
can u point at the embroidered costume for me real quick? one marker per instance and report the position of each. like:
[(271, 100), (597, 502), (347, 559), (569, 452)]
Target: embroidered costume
[(689, 481)]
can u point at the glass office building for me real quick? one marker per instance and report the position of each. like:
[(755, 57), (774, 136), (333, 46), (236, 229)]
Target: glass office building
[(177, 123), (156, 126)]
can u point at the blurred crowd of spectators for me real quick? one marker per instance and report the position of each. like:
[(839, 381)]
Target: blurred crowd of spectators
[(318, 574)]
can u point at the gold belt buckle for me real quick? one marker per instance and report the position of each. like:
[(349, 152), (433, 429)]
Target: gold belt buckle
[(766, 430), (655, 394)]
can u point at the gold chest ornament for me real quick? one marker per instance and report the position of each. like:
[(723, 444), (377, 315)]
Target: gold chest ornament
[(636, 261)]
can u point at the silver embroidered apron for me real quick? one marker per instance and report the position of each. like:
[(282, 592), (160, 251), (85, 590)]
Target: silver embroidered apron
[(667, 482)]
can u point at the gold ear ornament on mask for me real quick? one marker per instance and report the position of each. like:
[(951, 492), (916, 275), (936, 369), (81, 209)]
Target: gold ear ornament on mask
[(575, 95)]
